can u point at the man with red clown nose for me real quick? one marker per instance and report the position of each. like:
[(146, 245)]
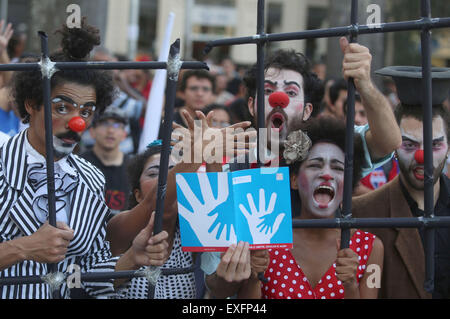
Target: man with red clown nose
[(27, 242), (404, 261), (292, 92)]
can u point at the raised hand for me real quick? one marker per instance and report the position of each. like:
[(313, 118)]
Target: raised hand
[(200, 138), (202, 218), (261, 231), (356, 64), (5, 35)]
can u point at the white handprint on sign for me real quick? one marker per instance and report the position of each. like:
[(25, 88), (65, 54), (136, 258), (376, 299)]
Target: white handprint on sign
[(202, 219), (261, 231)]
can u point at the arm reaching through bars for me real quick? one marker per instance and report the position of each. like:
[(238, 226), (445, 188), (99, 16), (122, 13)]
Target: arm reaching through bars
[(384, 135)]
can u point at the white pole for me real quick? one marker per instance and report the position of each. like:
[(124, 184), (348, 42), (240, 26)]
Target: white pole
[(4, 11), (156, 99), (133, 29)]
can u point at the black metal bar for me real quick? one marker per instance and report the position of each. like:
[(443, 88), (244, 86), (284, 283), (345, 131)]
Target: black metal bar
[(49, 156), (429, 234), (333, 32), (436, 222), (94, 276), (95, 65), (346, 212), (260, 100), (171, 86)]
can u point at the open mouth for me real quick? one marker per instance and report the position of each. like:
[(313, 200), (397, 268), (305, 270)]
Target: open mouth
[(277, 121), (419, 173), (323, 195)]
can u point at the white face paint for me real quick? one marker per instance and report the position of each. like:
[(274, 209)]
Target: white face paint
[(320, 180), (412, 140), (61, 149), (291, 83)]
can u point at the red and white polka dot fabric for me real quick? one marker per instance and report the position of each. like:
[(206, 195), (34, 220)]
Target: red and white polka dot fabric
[(286, 279)]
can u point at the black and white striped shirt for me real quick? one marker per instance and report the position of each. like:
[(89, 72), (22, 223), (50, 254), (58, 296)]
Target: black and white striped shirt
[(88, 212)]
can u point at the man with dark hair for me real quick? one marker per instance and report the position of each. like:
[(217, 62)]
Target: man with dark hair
[(27, 241), (404, 267), (108, 131), (197, 90), (289, 73), (338, 95)]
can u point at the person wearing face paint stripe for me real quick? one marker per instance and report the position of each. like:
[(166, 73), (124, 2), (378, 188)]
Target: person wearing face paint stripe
[(316, 267), (404, 267), (27, 241), (292, 92)]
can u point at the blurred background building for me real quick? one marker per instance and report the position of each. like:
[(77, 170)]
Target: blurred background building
[(133, 27)]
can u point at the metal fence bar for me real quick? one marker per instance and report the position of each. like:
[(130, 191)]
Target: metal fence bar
[(173, 69), (260, 114), (429, 234), (95, 65), (433, 23), (401, 222), (93, 276), (346, 212), (49, 156)]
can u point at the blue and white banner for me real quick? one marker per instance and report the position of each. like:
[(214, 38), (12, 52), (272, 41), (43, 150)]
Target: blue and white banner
[(219, 209)]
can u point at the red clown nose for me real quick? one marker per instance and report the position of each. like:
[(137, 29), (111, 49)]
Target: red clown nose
[(280, 99), (77, 124), (418, 156)]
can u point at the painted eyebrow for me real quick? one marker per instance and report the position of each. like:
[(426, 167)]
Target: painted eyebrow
[(407, 139), (66, 99), (271, 83), (292, 83), (69, 100), (439, 139)]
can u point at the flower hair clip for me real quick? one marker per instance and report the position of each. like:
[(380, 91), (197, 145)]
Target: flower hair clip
[(296, 146)]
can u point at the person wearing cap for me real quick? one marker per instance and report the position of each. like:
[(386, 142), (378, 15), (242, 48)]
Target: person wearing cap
[(404, 262), (108, 131)]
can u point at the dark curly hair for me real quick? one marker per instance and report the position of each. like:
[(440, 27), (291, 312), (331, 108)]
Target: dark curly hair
[(76, 44), (295, 61), (330, 130), (135, 166)]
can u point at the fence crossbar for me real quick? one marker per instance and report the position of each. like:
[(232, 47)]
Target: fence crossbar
[(95, 65), (94, 276), (394, 222), (424, 23)]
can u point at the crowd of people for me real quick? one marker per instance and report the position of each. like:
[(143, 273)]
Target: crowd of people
[(106, 190)]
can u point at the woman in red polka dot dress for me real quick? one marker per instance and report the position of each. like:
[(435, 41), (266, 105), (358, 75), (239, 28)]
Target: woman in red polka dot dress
[(316, 268)]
